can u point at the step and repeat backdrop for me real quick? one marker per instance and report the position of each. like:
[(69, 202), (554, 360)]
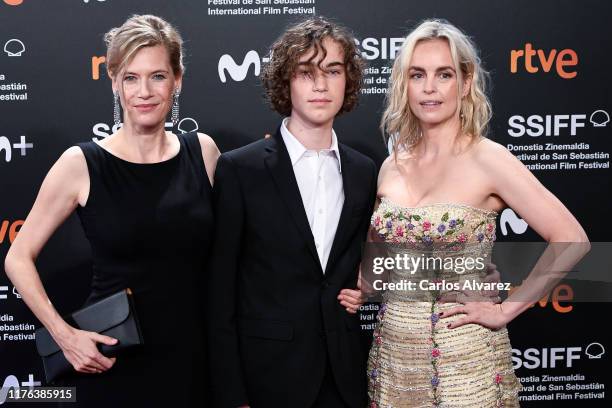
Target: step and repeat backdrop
[(549, 62)]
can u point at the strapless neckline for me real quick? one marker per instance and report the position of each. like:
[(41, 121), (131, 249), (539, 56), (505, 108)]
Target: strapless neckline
[(449, 204)]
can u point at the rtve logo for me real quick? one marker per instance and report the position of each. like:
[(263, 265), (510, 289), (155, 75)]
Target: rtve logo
[(563, 61), (553, 125), (552, 357), (560, 298), (96, 62), (9, 230), (7, 147)]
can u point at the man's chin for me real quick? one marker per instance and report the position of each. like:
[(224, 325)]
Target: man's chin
[(321, 120)]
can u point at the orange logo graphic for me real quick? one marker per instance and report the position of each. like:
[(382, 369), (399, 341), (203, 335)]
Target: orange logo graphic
[(95, 66), (561, 293), (11, 229), (562, 60), (13, 2)]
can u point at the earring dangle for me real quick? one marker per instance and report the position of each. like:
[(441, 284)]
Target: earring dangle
[(116, 109), (175, 108)]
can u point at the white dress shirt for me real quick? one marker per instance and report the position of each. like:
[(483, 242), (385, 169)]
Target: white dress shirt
[(319, 178)]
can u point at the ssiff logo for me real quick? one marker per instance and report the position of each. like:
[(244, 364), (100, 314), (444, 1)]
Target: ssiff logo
[(599, 118), (14, 47), (13, 2), (555, 125), (533, 358), (102, 130), (565, 61)]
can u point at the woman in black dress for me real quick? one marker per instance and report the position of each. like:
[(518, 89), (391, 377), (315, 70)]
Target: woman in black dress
[(143, 197)]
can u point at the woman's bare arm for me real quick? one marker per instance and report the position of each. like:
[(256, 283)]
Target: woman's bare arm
[(65, 186)]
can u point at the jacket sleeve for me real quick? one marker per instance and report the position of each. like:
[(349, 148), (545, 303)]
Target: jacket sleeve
[(372, 198), (227, 380)]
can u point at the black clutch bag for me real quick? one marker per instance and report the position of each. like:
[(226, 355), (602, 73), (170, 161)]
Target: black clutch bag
[(113, 316)]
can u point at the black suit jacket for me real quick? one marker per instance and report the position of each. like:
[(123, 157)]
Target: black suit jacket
[(274, 314)]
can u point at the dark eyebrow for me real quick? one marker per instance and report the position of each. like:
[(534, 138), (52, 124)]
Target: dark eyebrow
[(328, 66), (334, 64)]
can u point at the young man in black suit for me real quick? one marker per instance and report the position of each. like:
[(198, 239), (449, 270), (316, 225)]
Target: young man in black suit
[(292, 212)]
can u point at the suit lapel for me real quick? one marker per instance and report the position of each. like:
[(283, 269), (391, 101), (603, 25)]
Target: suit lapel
[(345, 216), (278, 164)]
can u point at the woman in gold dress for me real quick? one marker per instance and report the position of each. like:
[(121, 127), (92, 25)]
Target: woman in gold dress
[(441, 189)]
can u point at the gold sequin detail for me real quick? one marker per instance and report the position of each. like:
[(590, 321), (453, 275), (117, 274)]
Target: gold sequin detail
[(474, 366)]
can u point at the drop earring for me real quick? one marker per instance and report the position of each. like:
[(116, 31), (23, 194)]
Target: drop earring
[(116, 108), (175, 108)]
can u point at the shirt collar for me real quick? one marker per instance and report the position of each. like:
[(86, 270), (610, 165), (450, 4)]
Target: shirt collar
[(296, 149)]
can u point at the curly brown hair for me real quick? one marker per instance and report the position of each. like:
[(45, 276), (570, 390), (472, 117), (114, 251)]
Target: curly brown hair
[(296, 41)]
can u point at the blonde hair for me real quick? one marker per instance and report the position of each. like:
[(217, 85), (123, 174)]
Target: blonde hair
[(141, 31), (398, 121)]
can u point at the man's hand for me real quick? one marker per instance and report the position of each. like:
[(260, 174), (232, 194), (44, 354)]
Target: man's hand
[(352, 299)]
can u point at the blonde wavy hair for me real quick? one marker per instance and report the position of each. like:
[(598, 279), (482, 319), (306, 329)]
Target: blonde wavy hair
[(399, 123), (140, 31)]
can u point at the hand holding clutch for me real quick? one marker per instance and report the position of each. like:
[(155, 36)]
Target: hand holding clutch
[(111, 322), (80, 349)]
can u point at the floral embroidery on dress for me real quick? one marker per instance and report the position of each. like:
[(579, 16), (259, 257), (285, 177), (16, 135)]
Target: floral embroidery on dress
[(377, 341), (404, 225), (449, 226)]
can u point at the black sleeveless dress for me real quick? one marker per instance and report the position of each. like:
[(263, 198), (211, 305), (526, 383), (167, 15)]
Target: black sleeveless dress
[(150, 227)]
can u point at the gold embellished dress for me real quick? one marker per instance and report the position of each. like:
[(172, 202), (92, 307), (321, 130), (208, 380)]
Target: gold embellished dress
[(415, 360)]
